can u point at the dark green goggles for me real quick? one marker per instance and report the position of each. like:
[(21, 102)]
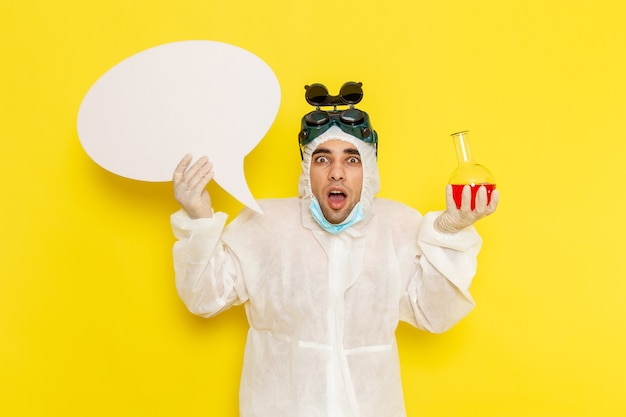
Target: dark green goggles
[(352, 121)]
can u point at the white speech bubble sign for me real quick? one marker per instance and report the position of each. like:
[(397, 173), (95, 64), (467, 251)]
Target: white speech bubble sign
[(200, 97)]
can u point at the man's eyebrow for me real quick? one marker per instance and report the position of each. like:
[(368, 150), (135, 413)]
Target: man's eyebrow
[(351, 151), (321, 150)]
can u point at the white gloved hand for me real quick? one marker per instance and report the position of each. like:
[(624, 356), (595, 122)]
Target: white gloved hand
[(189, 186), (454, 220)]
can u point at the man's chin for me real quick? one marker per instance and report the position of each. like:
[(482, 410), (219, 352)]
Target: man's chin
[(335, 217)]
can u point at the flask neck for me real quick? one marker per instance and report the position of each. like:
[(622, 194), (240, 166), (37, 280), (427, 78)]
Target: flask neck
[(462, 147)]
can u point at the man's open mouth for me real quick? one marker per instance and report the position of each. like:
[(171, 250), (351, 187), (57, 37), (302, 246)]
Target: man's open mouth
[(336, 199)]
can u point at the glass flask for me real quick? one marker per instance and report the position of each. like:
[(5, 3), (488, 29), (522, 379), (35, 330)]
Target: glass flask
[(468, 172)]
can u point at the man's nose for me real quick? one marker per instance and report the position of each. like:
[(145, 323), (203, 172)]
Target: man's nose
[(337, 172)]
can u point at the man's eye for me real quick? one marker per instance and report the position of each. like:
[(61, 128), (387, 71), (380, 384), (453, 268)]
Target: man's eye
[(354, 160), (321, 159)]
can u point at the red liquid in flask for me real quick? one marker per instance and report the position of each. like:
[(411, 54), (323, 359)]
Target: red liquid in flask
[(457, 190)]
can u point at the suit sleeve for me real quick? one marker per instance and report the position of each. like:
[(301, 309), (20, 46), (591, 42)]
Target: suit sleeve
[(438, 292), (208, 277)]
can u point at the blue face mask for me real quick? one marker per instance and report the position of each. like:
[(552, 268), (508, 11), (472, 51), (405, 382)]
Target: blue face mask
[(316, 211)]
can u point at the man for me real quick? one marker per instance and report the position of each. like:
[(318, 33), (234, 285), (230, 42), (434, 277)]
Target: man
[(325, 278)]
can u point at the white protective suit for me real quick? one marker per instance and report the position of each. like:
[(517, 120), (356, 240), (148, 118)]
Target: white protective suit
[(323, 308)]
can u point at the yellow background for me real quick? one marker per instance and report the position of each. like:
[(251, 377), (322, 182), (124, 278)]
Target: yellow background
[(90, 324)]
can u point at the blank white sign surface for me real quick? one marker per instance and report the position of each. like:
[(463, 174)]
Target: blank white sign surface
[(201, 97)]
